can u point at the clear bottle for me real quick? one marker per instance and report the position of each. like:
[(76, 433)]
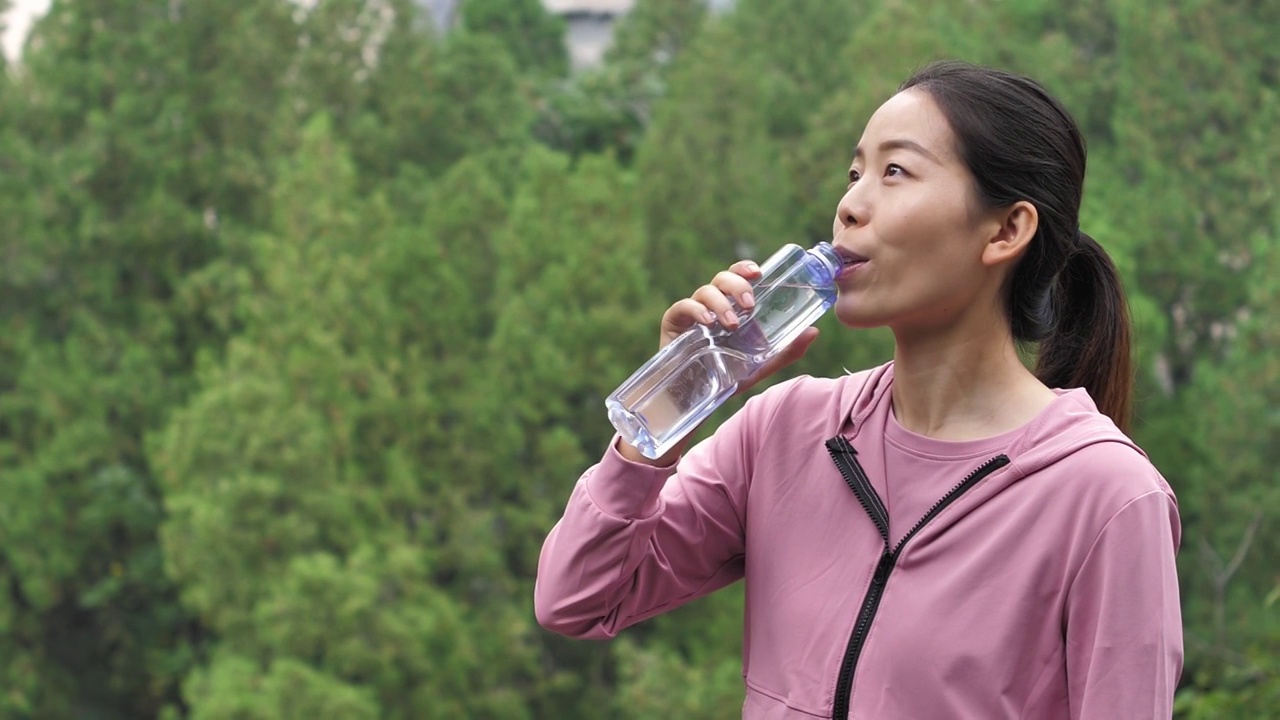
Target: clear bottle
[(695, 373)]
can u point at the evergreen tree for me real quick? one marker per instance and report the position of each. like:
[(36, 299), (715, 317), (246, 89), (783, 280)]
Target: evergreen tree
[(712, 184), (656, 31), (608, 108), (118, 210), (1227, 567), (570, 290), (301, 531), (470, 101), (305, 332), (533, 36), (798, 46)]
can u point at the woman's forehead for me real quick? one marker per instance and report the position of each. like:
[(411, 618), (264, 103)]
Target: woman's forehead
[(909, 118)]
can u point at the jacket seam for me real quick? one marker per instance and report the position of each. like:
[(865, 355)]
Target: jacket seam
[(775, 696), (586, 486), (793, 385), (757, 444), (1071, 586)]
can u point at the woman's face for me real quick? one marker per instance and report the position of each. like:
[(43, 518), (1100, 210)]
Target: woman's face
[(911, 211)]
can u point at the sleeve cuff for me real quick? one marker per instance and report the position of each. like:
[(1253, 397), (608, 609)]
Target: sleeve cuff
[(625, 489)]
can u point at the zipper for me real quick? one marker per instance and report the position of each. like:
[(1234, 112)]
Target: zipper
[(846, 460)]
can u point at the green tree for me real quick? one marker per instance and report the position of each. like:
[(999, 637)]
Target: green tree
[(797, 46), (533, 36), (712, 184), (608, 108), (305, 331), (1193, 242), (656, 31), (1227, 570), (574, 316), (108, 131), (468, 100), (306, 531)]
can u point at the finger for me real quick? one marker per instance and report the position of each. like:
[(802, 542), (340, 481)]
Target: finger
[(717, 302), (684, 314), (746, 268), (736, 286)]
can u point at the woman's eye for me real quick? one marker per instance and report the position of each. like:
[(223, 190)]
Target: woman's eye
[(853, 176), (892, 169)]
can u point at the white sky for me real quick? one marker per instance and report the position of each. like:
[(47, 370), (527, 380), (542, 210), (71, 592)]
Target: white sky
[(18, 21), (22, 12)]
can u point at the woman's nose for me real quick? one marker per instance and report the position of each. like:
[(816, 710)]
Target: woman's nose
[(849, 213)]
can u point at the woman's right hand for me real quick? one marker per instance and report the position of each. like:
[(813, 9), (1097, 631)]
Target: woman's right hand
[(711, 303)]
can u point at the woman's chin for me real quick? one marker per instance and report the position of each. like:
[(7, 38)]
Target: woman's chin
[(857, 317)]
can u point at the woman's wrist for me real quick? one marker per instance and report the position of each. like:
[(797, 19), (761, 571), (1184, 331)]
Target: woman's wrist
[(630, 453)]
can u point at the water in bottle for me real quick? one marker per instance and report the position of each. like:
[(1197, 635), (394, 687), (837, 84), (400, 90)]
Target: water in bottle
[(694, 374)]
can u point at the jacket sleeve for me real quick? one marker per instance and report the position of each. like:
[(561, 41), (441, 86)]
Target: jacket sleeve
[(1124, 622), (636, 541)]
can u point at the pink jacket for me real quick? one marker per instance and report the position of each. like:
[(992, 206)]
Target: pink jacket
[(1043, 586)]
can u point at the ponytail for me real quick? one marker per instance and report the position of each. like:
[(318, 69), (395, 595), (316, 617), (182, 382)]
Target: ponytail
[(1089, 343)]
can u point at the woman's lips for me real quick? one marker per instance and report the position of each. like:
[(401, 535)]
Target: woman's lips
[(851, 261), (848, 269)]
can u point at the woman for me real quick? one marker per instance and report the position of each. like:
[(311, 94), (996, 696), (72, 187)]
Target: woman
[(950, 535)]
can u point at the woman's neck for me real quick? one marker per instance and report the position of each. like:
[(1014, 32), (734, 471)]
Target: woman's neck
[(964, 385)]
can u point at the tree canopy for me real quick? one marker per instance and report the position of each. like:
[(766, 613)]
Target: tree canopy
[(308, 312)]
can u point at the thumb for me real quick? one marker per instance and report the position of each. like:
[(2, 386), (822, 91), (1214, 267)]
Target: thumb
[(789, 355)]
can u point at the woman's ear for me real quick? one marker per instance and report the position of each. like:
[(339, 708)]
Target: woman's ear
[(1014, 227)]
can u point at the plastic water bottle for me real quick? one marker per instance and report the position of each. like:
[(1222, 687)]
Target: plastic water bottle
[(695, 373)]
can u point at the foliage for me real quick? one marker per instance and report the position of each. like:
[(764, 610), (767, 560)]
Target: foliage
[(533, 37), (309, 311)]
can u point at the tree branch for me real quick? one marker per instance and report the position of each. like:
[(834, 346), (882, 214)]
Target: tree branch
[(1243, 548)]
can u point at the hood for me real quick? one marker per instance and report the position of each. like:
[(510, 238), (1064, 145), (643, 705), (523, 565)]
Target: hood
[(1066, 425)]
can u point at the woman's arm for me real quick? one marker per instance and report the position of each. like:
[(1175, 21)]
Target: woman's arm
[(637, 540), (1124, 621)]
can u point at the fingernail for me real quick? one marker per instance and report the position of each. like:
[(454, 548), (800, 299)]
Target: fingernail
[(748, 300), (708, 317), (753, 267), (730, 318)]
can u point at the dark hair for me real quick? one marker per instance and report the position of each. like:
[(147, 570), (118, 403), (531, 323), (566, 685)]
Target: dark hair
[(1021, 144)]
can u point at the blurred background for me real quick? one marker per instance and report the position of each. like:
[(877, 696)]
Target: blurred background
[(308, 311)]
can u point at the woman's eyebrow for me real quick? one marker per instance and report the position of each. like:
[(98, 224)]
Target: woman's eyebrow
[(901, 144)]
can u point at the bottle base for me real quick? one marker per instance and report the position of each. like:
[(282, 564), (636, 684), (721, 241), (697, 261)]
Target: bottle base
[(633, 432)]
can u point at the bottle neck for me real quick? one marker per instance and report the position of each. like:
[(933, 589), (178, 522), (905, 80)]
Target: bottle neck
[(826, 260)]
